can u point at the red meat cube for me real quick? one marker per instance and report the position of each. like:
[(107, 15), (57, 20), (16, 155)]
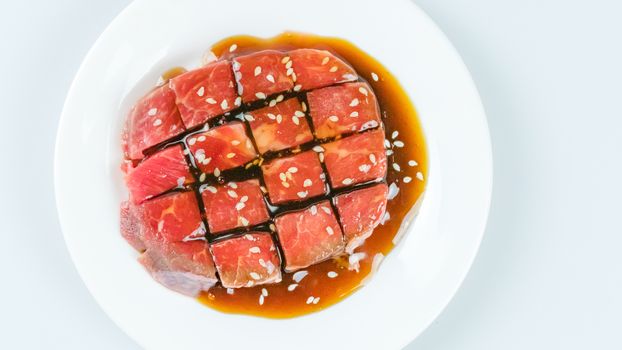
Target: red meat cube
[(161, 172), (319, 68), (360, 212), (279, 127), (309, 236), (221, 148), (262, 74), (152, 120), (171, 233), (357, 158), (205, 93), (236, 204), (185, 267), (247, 261), (294, 178), (343, 109)]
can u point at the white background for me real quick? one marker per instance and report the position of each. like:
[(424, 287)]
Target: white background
[(549, 272)]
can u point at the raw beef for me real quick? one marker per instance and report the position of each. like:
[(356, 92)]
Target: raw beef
[(262, 74), (360, 212), (237, 204), (247, 260), (205, 93), (343, 109), (357, 158), (279, 127), (319, 68), (161, 172), (309, 236), (294, 178), (152, 120), (223, 147)]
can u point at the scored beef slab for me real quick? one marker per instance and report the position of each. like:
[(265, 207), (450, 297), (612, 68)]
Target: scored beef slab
[(245, 169)]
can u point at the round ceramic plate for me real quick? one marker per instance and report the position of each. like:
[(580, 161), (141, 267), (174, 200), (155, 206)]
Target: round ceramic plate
[(415, 281)]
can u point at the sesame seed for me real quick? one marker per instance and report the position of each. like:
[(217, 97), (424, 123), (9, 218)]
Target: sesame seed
[(398, 143), (282, 176), (299, 114), (201, 91), (239, 206), (216, 172), (264, 292), (318, 149), (363, 90), (313, 210), (288, 64), (186, 151), (310, 299), (230, 155), (419, 176), (333, 69), (354, 114), (297, 87), (235, 142), (296, 120), (244, 199), (257, 70), (293, 170), (389, 152), (333, 118), (279, 118), (238, 101), (303, 194), (354, 103), (394, 134), (285, 184), (374, 76), (261, 299), (285, 59), (346, 181), (294, 77), (202, 177), (272, 103), (329, 230), (331, 274), (325, 60), (316, 300), (232, 194), (255, 250), (270, 78), (387, 144), (201, 138), (152, 112), (233, 47), (396, 167), (249, 117), (291, 287), (412, 163), (224, 104), (255, 275), (157, 122), (290, 71), (210, 101), (326, 210), (307, 183), (304, 106), (260, 95), (321, 156), (211, 189), (280, 98), (233, 185), (271, 116), (364, 168), (230, 291), (407, 179), (244, 221)]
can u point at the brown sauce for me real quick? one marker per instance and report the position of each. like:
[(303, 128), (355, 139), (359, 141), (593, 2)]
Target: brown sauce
[(398, 115)]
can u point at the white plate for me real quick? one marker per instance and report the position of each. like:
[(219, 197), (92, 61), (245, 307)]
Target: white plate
[(416, 280)]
